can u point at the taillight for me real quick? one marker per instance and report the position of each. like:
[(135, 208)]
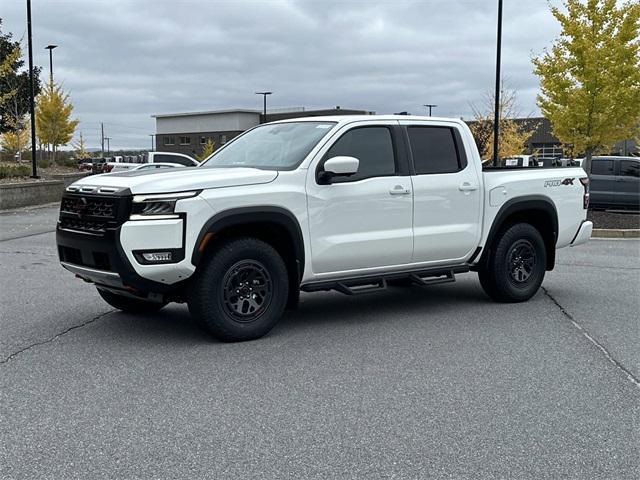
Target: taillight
[(585, 199)]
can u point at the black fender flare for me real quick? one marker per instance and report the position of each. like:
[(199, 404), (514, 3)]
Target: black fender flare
[(520, 204), (262, 214)]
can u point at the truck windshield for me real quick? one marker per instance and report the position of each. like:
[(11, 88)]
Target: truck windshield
[(278, 146)]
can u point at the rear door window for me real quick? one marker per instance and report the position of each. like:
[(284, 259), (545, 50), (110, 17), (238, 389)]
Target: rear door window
[(629, 168), (602, 167), (434, 150)]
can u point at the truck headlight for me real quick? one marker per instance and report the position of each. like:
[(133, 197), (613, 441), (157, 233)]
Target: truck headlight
[(158, 206)]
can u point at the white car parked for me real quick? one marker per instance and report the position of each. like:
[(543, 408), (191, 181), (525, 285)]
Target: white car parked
[(143, 167), (150, 158), (348, 203)]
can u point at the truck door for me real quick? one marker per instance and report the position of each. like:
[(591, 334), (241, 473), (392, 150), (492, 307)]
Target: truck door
[(602, 182), (362, 221), (447, 194), (628, 192)]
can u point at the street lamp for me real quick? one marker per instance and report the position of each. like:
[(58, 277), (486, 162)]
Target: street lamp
[(50, 48), (430, 106), (264, 108), (496, 113), (151, 135), (107, 139), (32, 101)]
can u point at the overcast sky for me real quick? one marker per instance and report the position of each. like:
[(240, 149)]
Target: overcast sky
[(122, 61)]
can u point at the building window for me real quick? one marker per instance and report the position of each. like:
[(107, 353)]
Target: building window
[(223, 139), (185, 140), (203, 140), (169, 140)]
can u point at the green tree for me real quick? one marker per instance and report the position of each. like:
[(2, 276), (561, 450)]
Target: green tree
[(207, 149), (14, 84), (590, 78), (53, 118)]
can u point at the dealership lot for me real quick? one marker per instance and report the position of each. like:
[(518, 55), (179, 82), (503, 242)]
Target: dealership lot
[(408, 383)]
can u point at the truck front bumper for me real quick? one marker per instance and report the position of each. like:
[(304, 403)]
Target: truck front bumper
[(584, 233), (102, 260)]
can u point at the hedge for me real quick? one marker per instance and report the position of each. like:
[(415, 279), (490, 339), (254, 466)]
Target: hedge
[(8, 171)]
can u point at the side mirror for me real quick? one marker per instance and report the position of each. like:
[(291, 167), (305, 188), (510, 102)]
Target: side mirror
[(341, 166)]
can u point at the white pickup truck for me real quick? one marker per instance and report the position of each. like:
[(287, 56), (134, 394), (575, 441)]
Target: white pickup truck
[(166, 158), (349, 203)]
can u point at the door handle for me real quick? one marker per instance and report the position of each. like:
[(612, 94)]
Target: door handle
[(399, 190), (467, 187)]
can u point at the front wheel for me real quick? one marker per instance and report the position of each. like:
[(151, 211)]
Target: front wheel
[(240, 290), (516, 267), (129, 304)]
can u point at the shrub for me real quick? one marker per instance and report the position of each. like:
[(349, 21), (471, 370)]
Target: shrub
[(67, 162), (43, 163), (9, 171)]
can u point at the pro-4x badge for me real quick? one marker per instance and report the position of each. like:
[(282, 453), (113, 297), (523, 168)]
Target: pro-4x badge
[(557, 183)]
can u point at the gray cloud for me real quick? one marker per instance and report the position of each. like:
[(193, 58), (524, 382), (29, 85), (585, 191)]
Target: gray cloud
[(122, 61)]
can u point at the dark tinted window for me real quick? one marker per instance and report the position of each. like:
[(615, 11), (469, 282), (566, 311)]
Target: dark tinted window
[(434, 150), (602, 167), (629, 168), (163, 157), (372, 146)]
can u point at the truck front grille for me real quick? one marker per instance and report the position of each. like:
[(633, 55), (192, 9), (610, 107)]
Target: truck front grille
[(82, 225), (93, 213), (95, 207)]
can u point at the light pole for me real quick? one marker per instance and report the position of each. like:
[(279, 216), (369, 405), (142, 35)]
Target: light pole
[(430, 106), (107, 139), (264, 105), (496, 113), (32, 101), (50, 48), (151, 135)]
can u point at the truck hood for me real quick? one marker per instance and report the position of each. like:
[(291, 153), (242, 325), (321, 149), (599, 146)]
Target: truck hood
[(180, 179)]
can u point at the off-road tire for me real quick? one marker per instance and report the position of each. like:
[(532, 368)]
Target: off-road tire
[(506, 276), (240, 290), (128, 304)]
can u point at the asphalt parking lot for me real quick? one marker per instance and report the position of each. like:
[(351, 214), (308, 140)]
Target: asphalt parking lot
[(434, 382)]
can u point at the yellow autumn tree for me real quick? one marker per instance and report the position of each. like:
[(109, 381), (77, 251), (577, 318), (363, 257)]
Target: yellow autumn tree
[(590, 77), (80, 148), (513, 135), (54, 124), (16, 141), (207, 149)]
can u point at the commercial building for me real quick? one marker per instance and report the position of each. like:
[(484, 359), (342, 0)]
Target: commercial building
[(188, 132)]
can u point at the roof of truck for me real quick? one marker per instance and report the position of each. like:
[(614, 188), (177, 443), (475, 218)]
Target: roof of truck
[(358, 118)]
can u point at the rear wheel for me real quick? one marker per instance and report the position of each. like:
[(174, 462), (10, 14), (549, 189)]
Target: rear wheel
[(129, 304), (240, 291), (516, 267)]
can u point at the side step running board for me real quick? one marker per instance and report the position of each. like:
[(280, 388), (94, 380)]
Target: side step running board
[(374, 283), (434, 279)]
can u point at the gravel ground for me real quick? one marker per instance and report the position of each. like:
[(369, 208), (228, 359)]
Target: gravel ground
[(606, 219)]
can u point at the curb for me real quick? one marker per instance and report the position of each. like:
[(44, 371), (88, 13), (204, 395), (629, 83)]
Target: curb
[(616, 233)]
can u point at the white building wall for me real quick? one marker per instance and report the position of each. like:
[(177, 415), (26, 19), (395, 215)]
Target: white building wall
[(207, 122)]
